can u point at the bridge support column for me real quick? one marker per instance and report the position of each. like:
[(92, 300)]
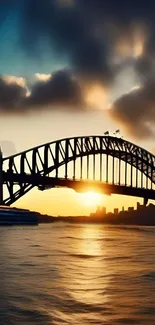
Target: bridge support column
[(145, 200), (1, 177)]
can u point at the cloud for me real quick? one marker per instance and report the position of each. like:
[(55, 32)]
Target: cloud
[(70, 34), (62, 89), (20, 81), (99, 40), (54, 91), (43, 76), (92, 34), (12, 94), (135, 111)]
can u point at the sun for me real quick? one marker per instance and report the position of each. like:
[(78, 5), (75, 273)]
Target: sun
[(91, 198)]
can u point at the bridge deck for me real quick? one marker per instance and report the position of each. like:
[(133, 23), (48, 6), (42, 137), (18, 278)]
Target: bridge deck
[(46, 182)]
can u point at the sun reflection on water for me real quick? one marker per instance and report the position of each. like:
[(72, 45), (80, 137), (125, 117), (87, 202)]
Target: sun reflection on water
[(90, 281)]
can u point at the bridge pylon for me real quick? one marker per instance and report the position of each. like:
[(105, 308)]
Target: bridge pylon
[(145, 201), (1, 177)]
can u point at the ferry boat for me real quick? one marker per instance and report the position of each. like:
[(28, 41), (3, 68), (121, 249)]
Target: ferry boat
[(14, 216)]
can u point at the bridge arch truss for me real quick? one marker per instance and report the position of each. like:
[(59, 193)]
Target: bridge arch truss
[(21, 172)]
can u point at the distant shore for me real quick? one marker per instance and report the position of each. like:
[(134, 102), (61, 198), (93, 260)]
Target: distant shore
[(144, 216)]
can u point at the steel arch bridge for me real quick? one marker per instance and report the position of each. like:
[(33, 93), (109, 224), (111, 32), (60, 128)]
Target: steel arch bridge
[(105, 163)]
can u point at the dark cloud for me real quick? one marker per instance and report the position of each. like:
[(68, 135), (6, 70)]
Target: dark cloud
[(11, 95), (145, 67), (62, 90), (135, 111), (87, 31), (120, 11), (94, 36), (70, 32)]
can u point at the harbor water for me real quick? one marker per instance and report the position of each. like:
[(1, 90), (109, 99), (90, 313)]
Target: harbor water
[(77, 274)]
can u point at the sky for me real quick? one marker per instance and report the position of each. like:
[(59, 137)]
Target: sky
[(71, 68)]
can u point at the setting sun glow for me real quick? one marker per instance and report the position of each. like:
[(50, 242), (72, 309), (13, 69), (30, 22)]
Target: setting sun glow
[(91, 198)]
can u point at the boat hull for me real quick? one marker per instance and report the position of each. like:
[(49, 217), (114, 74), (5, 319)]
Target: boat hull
[(11, 217)]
